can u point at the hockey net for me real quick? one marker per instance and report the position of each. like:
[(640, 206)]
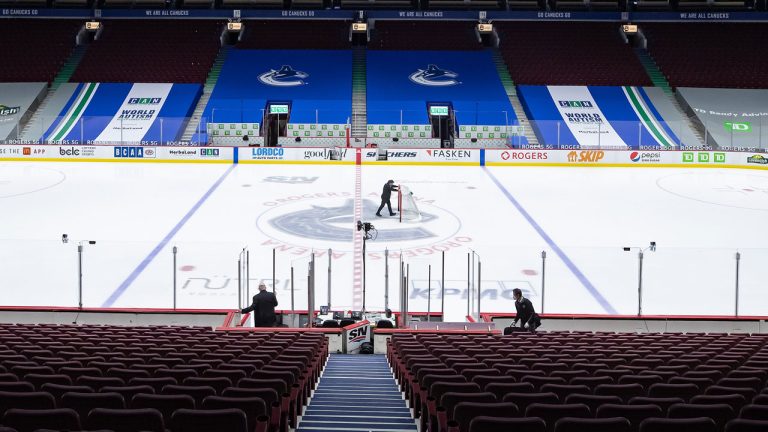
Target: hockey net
[(406, 205)]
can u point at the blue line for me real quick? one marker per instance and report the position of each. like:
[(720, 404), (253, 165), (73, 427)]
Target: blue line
[(148, 259), (568, 263)]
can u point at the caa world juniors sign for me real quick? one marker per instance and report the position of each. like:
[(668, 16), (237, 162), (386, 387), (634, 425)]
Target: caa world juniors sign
[(99, 113), (596, 117)]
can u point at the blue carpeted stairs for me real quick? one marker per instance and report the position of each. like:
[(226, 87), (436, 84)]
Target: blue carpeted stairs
[(357, 393)]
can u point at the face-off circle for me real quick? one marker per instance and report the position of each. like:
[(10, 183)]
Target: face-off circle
[(727, 189), (16, 180)]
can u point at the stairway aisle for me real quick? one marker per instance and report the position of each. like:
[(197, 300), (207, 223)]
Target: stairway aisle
[(359, 93), (652, 69), (194, 123), (659, 80), (517, 106), (357, 393), (42, 118)]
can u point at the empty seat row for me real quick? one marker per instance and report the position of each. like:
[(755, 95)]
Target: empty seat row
[(231, 417), (67, 368), (717, 377)]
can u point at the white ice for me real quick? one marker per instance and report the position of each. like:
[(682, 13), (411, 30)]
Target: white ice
[(699, 219)]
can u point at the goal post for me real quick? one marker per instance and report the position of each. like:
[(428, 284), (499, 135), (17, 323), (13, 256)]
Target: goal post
[(407, 209)]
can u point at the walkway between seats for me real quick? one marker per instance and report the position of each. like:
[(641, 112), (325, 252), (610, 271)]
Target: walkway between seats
[(357, 393)]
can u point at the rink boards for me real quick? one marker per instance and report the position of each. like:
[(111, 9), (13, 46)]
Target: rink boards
[(349, 156), (139, 214)]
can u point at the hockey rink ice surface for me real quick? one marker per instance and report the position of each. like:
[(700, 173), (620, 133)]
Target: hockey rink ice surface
[(581, 217)]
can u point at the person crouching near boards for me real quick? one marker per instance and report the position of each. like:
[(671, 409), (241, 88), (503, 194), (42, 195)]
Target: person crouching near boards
[(526, 315), (386, 194)]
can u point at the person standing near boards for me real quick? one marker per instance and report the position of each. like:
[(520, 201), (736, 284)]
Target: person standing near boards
[(386, 194), (263, 308)]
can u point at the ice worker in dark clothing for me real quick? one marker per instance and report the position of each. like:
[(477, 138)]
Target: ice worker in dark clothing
[(386, 194), (263, 308), (526, 315)]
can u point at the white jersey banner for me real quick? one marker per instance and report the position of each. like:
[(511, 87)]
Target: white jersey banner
[(584, 118), (136, 115)]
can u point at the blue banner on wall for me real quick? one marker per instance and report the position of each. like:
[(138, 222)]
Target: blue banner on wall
[(402, 83), (108, 113), (595, 117), (317, 84)]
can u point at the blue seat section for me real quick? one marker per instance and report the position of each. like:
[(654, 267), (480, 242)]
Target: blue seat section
[(179, 106), (199, 138), (619, 113), (627, 110), (133, 112), (407, 80), (655, 112), (544, 116), (88, 111), (316, 83)]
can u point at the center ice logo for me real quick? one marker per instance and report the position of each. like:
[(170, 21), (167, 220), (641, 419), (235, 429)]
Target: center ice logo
[(434, 76), (285, 77), (326, 220), (332, 223)]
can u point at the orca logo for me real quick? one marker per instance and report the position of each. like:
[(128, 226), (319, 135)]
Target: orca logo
[(327, 220), (333, 224), (434, 76), (285, 77)]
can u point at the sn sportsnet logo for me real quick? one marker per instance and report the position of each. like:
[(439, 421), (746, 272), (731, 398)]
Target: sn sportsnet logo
[(285, 77), (359, 334), (434, 76), (645, 157), (144, 101)]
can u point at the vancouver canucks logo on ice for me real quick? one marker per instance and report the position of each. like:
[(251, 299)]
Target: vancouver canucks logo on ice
[(331, 223), (434, 76), (285, 77)]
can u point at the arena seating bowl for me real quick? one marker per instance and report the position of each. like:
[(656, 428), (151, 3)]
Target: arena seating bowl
[(151, 378), (563, 382)]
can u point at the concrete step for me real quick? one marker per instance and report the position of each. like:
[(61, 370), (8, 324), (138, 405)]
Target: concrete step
[(193, 125), (46, 112), (652, 69), (511, 90), (374, 397), (69, 67), (359, 92), (27, 130), (35, 124), (691, 125)]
